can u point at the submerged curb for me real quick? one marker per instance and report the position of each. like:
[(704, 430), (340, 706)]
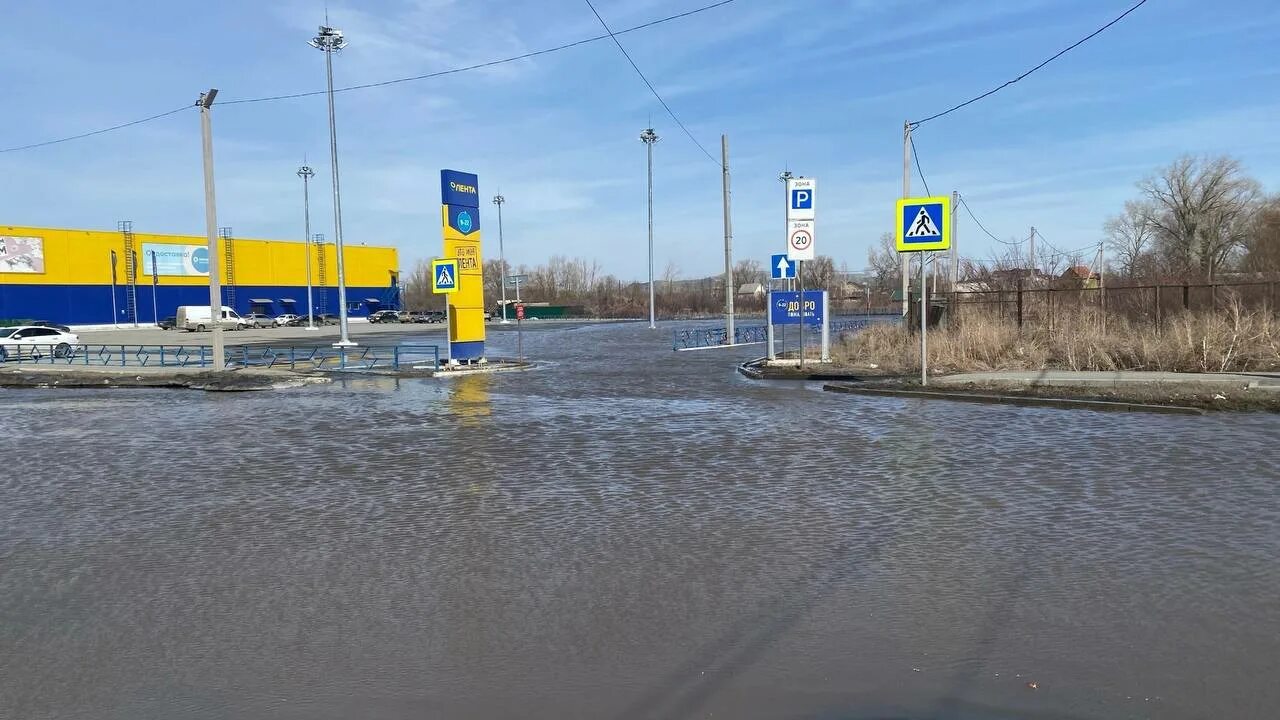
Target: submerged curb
[(1019, 400)]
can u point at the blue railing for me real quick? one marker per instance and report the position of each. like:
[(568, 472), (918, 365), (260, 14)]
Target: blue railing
[(714, 336), (354, 359)]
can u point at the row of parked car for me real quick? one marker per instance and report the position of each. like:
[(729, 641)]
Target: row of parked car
[(36, 339), (407, 316)]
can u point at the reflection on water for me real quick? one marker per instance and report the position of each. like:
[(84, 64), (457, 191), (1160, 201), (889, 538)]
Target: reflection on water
[(629, 533)]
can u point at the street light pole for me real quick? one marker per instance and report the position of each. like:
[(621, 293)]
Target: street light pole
[(211, 227), (649, 137), (329, 40), (306, 174), (502, 257)]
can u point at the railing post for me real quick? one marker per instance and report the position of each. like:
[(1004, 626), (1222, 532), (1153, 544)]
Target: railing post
[(122, 356), (395, 357), (1019, 303), (1159, 315), (1186, 296), (1213, 298), (245, 354)]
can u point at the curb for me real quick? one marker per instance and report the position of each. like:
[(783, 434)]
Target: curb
[(1019, 400)]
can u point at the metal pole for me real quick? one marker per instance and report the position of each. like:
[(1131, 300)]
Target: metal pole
[(211, 229), (955, 251), (115, 313), (826, 328), (800, 286), (155, 281), (924, 314), (1032, 243), (649, 137), (730, 335), (786, 208), (502, 257), (331, 39), (906, 192), (306, 174)]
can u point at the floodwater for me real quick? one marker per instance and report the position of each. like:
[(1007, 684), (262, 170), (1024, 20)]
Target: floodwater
[(630, 533)]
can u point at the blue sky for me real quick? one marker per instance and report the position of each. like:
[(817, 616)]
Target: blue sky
[(818, 86)]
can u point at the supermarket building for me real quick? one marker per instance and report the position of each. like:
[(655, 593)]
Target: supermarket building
[(79, 276)]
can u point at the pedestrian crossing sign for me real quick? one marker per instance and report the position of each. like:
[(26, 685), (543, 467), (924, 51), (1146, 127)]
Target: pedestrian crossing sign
[(924, 224), (444, 276)]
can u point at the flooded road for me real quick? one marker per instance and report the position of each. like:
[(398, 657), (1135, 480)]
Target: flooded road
[(630, 533)]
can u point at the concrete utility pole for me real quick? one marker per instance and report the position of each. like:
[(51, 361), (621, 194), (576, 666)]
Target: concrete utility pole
[(906, 192), (502, 257), (211, 228), (955, 251), (730, 335), (649, 137), (1032, 243), (306, 174), (330, 40)]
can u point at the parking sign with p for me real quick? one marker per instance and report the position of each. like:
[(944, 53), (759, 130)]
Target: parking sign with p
[(800, 198)]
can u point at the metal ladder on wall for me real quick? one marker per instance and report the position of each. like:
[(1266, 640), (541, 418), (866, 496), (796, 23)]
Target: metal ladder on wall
[(322, 272), (229, 258), (130, 271)]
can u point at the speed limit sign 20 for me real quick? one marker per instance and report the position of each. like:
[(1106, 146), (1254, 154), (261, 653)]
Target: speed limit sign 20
[(800, 240)]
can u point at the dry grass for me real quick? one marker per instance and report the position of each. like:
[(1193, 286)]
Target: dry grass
[(1232, 340)]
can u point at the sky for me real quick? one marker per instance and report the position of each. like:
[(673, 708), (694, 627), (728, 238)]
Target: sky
[(819, 87)]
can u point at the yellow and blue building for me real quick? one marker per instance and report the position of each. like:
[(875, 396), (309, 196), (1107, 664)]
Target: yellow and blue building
[(76, 276)]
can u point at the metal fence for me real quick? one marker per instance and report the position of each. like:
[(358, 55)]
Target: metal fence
[(1148, 304), (294, 357), (713, 336)]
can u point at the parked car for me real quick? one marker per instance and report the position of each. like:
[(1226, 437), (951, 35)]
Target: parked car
[(414, 317), (256, 320), (433, 316), (168, 323), (286, 319), (405, 316), (46, 323), (319, 318), (385, 316), (37, 341)]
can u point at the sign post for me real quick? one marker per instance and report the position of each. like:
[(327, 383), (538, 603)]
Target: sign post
[(923, 225), (780, 268), (444, 281), (519, 333), (801, 231)]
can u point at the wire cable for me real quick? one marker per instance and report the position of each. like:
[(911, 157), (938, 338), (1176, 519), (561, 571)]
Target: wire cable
[(919, 171), (382, 83), (477, 66), (646, 82), (1057, 55), (121, 126), (983, 227)]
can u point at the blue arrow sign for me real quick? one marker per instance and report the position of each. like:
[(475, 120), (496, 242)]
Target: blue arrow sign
[(780, 268)]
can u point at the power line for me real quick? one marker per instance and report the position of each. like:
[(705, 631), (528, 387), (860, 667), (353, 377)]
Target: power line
[(919, 171), (91, 133), (481, 65), (383, 83), (646, 82), (983, 227), (1057, 55)]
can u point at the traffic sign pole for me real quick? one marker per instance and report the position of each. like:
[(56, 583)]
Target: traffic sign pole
[(924, 314)]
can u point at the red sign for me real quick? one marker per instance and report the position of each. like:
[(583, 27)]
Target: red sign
[(519, 312)]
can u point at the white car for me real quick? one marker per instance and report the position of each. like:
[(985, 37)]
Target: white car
[(35, 341), (282, 320)]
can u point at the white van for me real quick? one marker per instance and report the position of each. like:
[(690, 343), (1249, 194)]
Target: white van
[(196, 318)]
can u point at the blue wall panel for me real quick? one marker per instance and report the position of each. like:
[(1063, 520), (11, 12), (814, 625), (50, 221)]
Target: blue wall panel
[(91, 304)]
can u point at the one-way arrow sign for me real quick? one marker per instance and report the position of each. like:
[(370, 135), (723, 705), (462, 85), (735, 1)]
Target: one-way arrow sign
[(780, 268)]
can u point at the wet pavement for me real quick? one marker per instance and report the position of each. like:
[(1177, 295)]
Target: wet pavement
[(628, 532)]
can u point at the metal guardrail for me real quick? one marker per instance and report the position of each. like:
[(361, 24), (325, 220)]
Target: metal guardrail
[(355, 359), (713, 336)]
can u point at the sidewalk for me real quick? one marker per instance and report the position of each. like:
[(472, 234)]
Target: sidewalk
[(1117, 378)]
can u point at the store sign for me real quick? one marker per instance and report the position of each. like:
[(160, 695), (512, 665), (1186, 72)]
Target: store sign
[(176, 259)]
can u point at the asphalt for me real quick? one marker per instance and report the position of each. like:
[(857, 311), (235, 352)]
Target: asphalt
[(1118, 378)]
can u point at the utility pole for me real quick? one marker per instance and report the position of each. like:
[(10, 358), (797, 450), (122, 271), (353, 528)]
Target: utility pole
[(906, 192), (955, 252), (730, 335), (211, 228), (330, 40), (502, 257), (649, 137), (789, 283), (306, 174), (1032, 242)]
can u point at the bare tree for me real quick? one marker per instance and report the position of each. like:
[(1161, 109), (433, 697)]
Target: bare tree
[(1130, 234), (1202, 209), (415, 288), (1262, 249), (885, 264)]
